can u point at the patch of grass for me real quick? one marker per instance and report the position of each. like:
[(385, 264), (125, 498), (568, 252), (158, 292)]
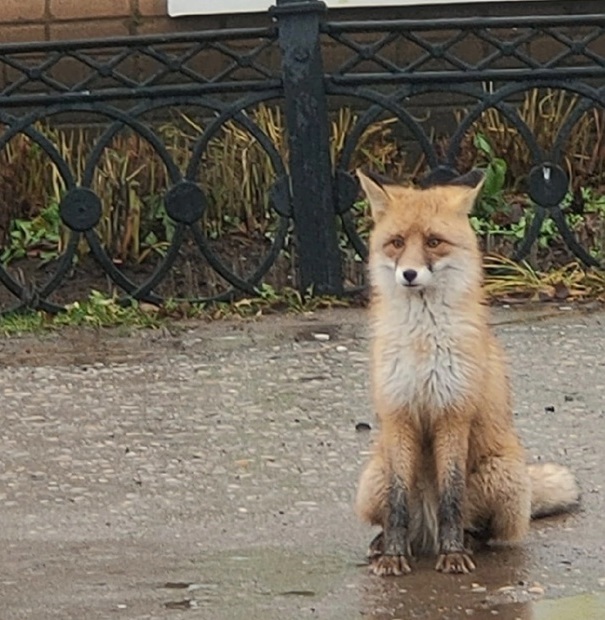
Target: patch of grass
[(96, 311), (268, 301), (23, 323), (507, 280), (100, 311), (271, 301)]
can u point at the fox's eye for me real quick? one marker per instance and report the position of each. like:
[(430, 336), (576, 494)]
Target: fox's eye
[(397, 242), (433, 242)]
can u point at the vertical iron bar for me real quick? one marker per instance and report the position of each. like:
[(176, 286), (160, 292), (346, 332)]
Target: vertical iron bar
[(308, 128)]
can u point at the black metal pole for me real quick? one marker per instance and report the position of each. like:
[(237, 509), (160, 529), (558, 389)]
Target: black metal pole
[(309, 145)]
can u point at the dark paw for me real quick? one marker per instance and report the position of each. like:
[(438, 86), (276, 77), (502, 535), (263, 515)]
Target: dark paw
[(390, 565), (460, 563)]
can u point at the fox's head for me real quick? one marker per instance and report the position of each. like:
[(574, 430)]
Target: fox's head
[(422, 238)]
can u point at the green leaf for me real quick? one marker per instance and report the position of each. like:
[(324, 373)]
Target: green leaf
[(495, 176), (482, 143), (151, 239)]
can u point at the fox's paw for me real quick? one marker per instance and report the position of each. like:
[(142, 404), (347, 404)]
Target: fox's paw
[(460, 563), (390, 565)]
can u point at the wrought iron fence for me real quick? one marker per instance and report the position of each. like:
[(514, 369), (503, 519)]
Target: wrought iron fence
[(486, 63), (302, 62)]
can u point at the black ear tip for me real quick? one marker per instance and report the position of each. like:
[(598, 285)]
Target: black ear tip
[(444, 175), (441, 175), (474, 177)]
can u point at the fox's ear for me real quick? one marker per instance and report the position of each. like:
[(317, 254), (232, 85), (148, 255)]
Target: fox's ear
[(472, 179), (468, 188), (373, 186)]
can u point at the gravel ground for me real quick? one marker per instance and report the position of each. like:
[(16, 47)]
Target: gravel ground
[(208, 471)]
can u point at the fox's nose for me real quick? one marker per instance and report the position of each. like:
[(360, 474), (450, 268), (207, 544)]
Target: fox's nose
[(410, 275)]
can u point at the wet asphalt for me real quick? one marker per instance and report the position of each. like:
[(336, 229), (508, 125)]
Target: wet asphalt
[(207, 471)]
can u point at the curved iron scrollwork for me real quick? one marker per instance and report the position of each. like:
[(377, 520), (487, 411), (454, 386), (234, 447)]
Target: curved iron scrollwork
[(443, 61), (126, 84), (184, 200)]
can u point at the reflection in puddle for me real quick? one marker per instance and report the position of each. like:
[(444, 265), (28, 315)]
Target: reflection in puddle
[(501, 582), (582, 607), (262, 583), (255, 584), (436, 597)]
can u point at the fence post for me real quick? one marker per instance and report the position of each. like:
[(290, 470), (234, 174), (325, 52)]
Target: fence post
[(308, 125)]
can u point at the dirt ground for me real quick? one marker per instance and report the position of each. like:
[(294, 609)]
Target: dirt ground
[(207, 470)]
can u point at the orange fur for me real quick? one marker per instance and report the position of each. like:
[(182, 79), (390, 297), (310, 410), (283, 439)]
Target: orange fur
[(447, 457)]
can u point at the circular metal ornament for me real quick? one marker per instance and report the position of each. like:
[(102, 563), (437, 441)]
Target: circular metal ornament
[(80, 209), (547, 184), (185, 202)]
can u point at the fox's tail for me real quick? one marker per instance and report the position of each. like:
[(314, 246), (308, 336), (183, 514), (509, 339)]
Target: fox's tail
[(554, 489)]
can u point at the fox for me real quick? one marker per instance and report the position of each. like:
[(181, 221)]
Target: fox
[(447, 465)]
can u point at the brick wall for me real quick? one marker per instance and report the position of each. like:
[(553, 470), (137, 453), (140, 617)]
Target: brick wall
[(56, 20), (48, 20)]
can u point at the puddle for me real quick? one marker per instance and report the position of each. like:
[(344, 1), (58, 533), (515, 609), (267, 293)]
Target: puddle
[(279, 573), (261, 583), (582, 607), (268, 583)]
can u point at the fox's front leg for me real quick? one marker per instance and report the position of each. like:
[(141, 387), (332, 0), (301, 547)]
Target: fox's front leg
[(451, 451), (392, 558)]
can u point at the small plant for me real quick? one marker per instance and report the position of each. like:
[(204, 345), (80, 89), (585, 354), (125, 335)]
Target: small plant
[(585, 214), (102, 311), (17, 323), (492, 195), (592, 202), (98, 310), (270, 301), (39, 237)]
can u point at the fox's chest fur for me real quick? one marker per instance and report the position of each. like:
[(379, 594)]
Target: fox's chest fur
[(425, 356)]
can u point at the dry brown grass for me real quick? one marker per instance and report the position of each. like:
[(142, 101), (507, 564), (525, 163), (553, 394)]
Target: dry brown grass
[(508, 280), (545, 111), (235, 171)]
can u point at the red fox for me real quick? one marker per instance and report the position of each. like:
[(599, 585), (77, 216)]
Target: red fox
[(447, 459)]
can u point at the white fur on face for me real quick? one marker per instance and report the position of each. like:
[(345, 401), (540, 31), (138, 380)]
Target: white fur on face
[(455, 277)]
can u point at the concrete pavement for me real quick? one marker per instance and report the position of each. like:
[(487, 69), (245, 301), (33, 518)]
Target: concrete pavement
[(208, 472)]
